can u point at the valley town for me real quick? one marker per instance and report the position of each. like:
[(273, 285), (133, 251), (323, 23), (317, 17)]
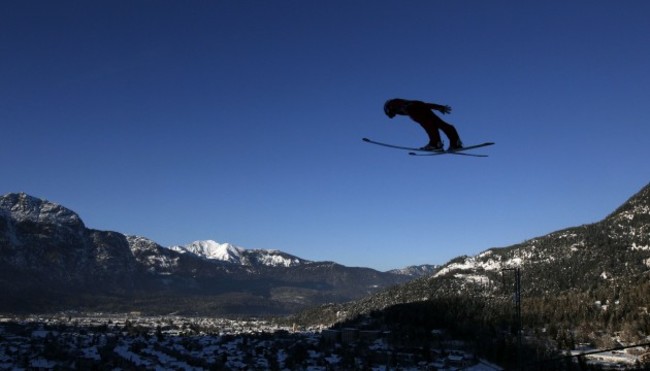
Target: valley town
[(131, 341)]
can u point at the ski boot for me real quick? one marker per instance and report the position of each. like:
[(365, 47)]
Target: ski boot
[(434, 147)]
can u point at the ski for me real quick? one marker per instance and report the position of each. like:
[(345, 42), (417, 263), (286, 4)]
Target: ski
[(424, 152), (447, 153), (392, 145)]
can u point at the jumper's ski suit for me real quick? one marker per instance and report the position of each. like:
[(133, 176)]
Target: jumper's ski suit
[(421, 113)]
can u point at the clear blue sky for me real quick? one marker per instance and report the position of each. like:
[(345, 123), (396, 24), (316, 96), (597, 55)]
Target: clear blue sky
[(241, 121)]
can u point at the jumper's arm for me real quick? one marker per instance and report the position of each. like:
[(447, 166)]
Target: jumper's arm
[(439, 108)]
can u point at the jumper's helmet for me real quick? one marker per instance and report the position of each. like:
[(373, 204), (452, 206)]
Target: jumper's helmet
[(389, 108)]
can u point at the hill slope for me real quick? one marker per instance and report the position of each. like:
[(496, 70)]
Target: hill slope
[(591, 275)]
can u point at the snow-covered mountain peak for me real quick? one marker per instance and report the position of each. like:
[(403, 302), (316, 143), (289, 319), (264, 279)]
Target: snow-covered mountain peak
[(212, 250), (24, 207)]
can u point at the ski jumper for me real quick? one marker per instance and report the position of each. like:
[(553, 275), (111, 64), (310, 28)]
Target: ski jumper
[(421, 113)]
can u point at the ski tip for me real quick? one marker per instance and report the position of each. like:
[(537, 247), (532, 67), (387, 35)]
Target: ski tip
[(413, 154), (365, 139)]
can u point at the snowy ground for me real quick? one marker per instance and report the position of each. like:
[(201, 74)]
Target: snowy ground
[(201, 343)]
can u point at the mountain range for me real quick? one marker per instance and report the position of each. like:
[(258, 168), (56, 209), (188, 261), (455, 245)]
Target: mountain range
[(49, 260)]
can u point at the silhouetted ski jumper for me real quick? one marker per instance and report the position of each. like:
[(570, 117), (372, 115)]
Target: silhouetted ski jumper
[(422, 113)]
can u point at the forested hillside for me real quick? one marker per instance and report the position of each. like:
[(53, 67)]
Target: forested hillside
[(588, 284)]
